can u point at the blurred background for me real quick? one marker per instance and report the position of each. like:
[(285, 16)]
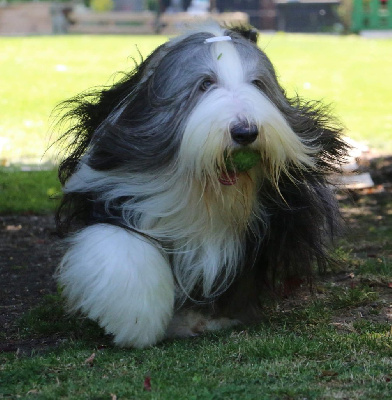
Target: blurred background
[(167, 16)]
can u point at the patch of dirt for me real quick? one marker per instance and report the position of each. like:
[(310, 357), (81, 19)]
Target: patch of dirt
[(379, 311), (29, 254), (368, 215)]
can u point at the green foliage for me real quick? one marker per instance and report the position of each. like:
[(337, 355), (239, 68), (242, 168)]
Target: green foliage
[(102, 5), (152, 5)]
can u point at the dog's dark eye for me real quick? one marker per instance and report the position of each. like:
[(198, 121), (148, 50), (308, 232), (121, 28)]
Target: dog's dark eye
[(206, 84), (259, 84)]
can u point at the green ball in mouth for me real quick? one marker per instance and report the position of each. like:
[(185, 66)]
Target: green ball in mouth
[(242, 160)]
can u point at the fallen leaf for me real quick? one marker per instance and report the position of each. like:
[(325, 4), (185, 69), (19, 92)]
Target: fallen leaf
[(390, 285), (373, 190), (113, 396), (328, 373), (353, 284), (239, 334), (90, 360), (351, 275), (147, 384), (12, 228)]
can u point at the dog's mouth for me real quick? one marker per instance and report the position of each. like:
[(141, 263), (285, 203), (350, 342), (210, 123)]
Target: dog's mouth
[(228, 178), (237, 163)]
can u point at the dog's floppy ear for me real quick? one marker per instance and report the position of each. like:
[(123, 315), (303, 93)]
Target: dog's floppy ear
[(246, 31)]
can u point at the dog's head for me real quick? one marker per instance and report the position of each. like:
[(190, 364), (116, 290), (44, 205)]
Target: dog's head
[(194, 99), (232, 102)]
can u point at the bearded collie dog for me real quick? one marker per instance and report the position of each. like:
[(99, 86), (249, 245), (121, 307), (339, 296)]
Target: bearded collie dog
[(194, 182)]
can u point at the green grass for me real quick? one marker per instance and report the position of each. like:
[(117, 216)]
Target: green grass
[(349, 72), (39, 72), (297, 352), (380, 267), (210, 369), (295, 356), (342, 298), (28, 192)]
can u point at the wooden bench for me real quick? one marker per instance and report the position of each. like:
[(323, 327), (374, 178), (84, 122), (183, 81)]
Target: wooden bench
[(25, 18), (118, 22)]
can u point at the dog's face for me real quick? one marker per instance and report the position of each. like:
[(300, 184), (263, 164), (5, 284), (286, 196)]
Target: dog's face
[(195, 101), (235, 105)]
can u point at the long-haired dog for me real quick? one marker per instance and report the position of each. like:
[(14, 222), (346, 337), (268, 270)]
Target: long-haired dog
[(173, 241)]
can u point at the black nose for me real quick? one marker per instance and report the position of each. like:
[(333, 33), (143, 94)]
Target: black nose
[(244, 133)]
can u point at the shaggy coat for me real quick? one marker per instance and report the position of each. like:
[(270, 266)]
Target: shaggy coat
[(170, 243)]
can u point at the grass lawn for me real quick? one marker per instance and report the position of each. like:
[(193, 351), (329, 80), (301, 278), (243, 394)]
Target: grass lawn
[(24, 192), (39, 72), (297, 354), (266, 364)]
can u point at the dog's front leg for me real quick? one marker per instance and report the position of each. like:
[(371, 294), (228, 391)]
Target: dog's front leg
[(120, 279)]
